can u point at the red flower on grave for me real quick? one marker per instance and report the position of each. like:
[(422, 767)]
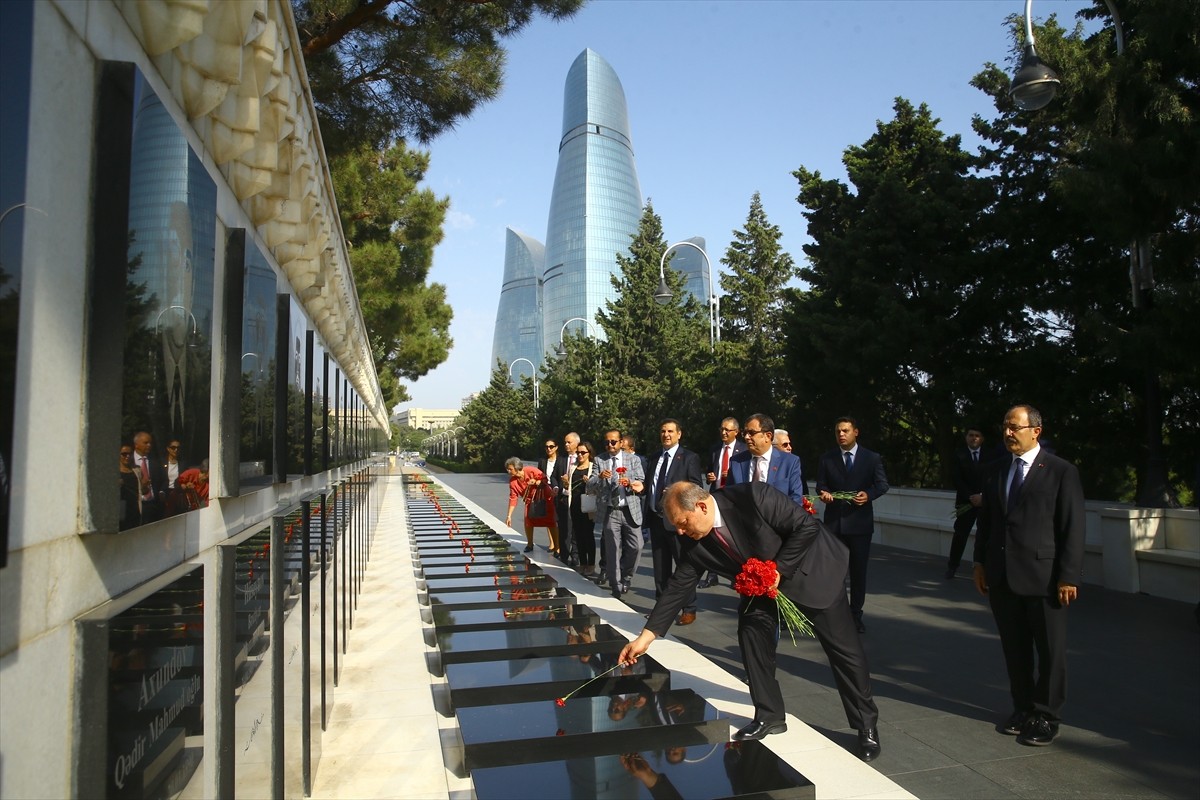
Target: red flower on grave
[(560, 731), (561, 701)]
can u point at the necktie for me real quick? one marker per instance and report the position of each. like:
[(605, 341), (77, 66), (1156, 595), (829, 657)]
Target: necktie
[(724, 465), (726, 546), (1018, 478), (661, 481), (754, 469), (975, 456), (849, 461)]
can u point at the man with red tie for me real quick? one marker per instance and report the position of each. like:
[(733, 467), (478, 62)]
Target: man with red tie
[(717, 477)]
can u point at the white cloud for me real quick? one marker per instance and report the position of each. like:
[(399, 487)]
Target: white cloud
[(459, 221)]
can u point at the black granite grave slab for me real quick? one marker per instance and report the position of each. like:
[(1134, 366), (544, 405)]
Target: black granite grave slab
[(500, 568), (474, 583), (556, 613), (716, 771), (586, 726), (477, 557), (529, 679), (460, 647), (519, 597), (493, 542)]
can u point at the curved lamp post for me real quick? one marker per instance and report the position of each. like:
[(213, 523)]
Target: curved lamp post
[(561, 350), (454, 433), (533, 367), (1035, 84), (664, 295)]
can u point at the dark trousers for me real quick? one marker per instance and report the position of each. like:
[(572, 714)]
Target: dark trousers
[(583, 537), (758, 636), (566, 542), (962, 531), (1033, 633), (860, 556), (664, 551)]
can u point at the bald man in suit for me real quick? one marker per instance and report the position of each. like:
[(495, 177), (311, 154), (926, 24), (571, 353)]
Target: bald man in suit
[(720, 532)]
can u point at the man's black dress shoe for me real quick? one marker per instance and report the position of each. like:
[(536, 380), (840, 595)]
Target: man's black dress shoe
[(758, 730), (868, 744), (950, 573), (1014, 724), (1038, 731)]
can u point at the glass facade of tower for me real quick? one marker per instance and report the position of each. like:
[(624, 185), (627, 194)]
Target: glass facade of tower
[(518, 317), (596, 201), (689, 262)]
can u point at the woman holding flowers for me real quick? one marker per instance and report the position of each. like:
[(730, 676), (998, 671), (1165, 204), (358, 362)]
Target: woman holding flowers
[(529, 484)]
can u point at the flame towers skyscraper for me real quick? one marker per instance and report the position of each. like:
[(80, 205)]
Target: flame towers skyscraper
[(596, 202), (594, 211)]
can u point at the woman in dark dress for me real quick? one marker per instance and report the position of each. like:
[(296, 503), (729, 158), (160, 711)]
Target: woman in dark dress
[(581, 521)]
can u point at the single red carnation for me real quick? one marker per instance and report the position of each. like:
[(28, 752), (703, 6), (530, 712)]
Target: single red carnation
[(560, 702), (560, 731)]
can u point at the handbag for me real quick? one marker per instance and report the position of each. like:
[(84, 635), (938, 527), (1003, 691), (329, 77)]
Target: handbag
[(537, 507), (587, 503)]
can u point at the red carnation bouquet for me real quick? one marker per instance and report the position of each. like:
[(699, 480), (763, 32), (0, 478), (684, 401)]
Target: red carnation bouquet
[(759, 578)]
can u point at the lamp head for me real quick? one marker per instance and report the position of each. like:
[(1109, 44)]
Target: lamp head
[(663, 295), (1035, 84)]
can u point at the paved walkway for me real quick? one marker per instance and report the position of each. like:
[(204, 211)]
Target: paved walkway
[(1133, 716)]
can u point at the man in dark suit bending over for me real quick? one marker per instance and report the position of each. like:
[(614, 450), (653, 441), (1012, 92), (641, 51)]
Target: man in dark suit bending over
[(1028, 562), (754, 520)]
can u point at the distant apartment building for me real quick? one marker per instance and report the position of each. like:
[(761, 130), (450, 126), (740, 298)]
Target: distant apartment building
[(426, 419)]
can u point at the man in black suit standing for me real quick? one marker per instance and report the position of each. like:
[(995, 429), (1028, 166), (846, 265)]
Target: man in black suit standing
[(754, 520), (671, 464), (153, 474), (1028, 562), (557, 466), (969, 462), (849, 467)]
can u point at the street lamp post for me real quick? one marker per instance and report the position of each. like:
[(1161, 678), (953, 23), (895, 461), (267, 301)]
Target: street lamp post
[(663, 295), (561, 349), (533, 367), (1033, 87), (455, 433)]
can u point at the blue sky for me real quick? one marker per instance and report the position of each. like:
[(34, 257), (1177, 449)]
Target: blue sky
[(726, 98)]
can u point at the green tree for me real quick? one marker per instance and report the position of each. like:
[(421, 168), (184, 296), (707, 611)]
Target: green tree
[(499, 423), (387, 69), (391, 227), (752, 315), (1100, 193), (657, 357), (896, 326)]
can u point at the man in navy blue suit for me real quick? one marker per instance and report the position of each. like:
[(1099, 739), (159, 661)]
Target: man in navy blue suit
[(762, 461), (670, 465), (850, 467)]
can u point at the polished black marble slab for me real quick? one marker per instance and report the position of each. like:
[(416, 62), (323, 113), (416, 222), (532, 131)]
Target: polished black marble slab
[(528, 599), (476, 541), (716, 771), (496, 568), (586, 726), (479, 582), (555, 613), (458, 556), (529, 679), (458, 647)]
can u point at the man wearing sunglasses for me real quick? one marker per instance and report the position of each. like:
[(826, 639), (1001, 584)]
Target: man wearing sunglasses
[(762, 461), (618, 486)]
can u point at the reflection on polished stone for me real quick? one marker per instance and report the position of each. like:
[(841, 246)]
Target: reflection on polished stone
[(511, 643), (532, 597), (672, 770), (555, 613), (528, 679), (490, 568), (587, 726), (475, 582)]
